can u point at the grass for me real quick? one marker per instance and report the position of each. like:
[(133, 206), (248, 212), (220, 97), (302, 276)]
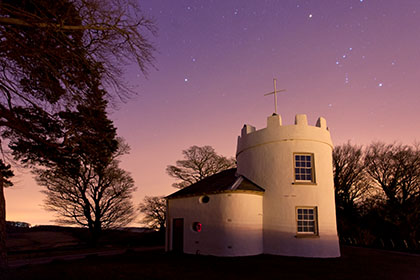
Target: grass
[(47, 241), (355, 263)]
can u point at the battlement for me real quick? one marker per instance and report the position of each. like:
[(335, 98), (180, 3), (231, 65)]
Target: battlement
[(275, 121), (277, 132)]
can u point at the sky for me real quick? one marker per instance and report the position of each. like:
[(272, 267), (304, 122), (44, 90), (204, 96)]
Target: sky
[(354, 62)]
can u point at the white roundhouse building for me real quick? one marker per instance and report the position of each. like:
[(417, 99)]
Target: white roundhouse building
[(279, 200)]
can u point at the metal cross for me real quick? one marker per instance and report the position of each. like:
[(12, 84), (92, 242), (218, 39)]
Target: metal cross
[(275, 94)]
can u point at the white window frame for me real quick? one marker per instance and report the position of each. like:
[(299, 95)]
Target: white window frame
[(307, 220), (298, 166)]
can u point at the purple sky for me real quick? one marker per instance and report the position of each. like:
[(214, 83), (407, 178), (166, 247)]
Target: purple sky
[(356, 63)]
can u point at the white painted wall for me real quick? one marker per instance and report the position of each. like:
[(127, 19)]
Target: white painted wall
[(266, 158), (232, 224)]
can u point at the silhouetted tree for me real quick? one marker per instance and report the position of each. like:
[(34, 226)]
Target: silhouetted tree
[(84, 184), (5, 174), (93, 199), (395, 170), (49, 48), (198, 163), (154, 210), (53, 55), (350, 184)]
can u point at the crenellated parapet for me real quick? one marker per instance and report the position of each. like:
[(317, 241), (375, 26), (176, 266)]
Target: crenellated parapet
[(276, 131)]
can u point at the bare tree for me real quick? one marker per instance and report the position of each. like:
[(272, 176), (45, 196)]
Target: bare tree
[(84, 184), (67, 39), (198, 163), (395, 169), (351, 189), (154, 210), (350, 182), (53, 56), (6, 173), (90, 197)]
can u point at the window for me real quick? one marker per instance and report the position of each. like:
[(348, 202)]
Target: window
[(304, 168), (204, 199), (306, 220), (197, 226)]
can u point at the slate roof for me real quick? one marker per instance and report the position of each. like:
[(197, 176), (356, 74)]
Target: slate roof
[(224, 181)]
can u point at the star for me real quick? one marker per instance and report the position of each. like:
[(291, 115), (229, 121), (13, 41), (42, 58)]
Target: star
[(310, 15), (186, 80), (380, 84)]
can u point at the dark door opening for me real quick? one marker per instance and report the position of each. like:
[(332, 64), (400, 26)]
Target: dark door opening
[(178, 235)]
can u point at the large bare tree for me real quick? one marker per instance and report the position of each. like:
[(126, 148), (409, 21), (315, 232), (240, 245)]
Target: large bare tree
[(49, 48), (93, 199), (395, 170), (83, 182), (198, 163), (53, 56)]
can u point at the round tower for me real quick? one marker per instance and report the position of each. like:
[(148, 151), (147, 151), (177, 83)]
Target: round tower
[(293, 163)]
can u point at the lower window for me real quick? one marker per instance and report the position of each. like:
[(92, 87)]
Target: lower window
[(306, 218)]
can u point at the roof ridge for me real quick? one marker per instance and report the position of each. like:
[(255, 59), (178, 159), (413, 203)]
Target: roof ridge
[(226, 180), (237, 183)]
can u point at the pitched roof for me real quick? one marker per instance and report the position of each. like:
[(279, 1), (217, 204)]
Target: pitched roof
[(224, 181)]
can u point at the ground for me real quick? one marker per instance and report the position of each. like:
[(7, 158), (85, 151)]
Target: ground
[(62, 253), (355, 263)]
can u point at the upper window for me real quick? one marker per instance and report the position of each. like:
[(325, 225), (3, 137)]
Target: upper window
[(306, 220), (304, 168)]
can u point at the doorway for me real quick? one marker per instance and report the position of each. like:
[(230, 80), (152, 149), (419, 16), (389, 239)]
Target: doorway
[(178, 235)]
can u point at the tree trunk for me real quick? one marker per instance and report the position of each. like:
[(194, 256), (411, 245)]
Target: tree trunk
[(95, 233), (3, 252)]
